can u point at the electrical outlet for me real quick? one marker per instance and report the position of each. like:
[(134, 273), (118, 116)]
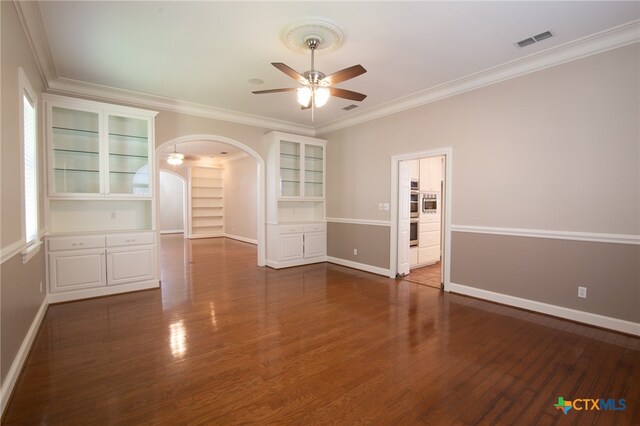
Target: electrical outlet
[(385, 206), (582, 292), (355, 252)]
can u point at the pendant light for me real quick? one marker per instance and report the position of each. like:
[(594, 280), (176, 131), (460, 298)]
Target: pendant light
[(175, 158)]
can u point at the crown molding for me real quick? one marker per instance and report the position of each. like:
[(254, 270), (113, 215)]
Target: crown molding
[(33, 26), (96, 91), (603, 41)]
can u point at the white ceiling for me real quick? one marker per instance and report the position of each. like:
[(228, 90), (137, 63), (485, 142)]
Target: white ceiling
[(203, 150), (206, 52)]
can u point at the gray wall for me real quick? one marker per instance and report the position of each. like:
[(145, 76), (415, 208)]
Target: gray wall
[(240, 211), (19, 284), (557, 149)]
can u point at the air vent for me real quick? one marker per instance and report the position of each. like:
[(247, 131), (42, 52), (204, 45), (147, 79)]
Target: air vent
[(534, 39), (350, 107)]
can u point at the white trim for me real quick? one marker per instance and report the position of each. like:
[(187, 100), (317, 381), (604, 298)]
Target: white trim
[(359, 221), (361, 266), (11, 250), (31, 20), (111, 94), (18, 362), (30, 251), (298, 262), (108, 290), (586, 46), (448, 194), (198, 236), (545, 308), (243, 239), (172, 231), (547, 233)]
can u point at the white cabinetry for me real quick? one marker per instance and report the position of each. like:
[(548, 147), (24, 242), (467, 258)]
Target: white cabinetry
[(96, 265), (206, 202), (296, 227), (100, 198), (431, 174)]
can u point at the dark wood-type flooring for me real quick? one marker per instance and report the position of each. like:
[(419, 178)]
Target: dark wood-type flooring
[(226, 342)]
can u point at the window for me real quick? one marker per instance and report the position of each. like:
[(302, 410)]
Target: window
[(29, 150)]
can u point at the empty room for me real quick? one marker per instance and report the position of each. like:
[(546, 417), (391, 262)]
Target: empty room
[(324, 212)]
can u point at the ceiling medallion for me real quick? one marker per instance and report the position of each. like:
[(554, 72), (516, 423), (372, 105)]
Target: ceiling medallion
[(296, 34)]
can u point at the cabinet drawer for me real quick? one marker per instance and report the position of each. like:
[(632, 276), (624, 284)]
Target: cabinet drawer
[(290, 229), (130, 239), (430, 226), (315, 227), (73, 243)]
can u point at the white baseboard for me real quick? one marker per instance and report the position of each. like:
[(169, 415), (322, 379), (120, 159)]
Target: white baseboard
[(361, 266), (299, 262), (172, 231), (545, 308), (101, 291), (243, 239), (196, 236), (16, 367)]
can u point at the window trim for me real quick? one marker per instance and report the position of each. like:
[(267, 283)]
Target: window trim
[(25, 89)]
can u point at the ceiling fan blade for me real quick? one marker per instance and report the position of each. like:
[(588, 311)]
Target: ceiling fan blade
[(290, 72), (344, 74), (260, 92), (346, 94)]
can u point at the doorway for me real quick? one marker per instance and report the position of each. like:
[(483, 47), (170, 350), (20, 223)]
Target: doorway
[(210, 220), (424, 179)]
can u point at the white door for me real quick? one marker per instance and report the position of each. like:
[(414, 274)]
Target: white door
[(404, 216), (130, 264), (75, 269), (290, 247), (315, 244)]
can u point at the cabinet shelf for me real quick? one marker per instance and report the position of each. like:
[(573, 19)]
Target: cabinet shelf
[(75, 151), (76, 170), (93, 132), (128, 155), (141, 138), (283, 154)]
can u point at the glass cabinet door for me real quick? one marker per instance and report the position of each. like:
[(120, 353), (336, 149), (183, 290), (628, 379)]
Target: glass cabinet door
[(128, 144), (75, 151), (313, 171), (289, 169)]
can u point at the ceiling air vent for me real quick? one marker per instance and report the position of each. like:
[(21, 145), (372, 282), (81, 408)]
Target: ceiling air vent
[(534, 39), (350, 107)]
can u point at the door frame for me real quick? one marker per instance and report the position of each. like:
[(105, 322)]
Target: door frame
[(447, 152)]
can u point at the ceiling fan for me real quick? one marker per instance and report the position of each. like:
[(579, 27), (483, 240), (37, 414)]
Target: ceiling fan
[(316, 86)]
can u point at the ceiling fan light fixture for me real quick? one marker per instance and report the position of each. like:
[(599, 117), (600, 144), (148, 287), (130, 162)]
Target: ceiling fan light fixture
[(304, 95), (321, 96), (175, 158)]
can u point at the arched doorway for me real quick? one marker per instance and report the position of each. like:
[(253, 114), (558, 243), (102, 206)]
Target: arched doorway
[(260, 190)]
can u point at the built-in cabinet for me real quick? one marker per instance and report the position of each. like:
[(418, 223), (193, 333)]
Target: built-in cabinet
[(206, 202), (100, 198), (296, 223), (431, 174)]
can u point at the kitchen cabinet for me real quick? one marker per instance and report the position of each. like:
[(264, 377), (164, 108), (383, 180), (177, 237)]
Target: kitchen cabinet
[(429, 243), (206, 202), (431, 174), (81, 266), (295, 198), (414, 169)]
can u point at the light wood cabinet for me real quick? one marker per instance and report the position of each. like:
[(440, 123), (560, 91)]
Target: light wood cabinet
[(206, 202)]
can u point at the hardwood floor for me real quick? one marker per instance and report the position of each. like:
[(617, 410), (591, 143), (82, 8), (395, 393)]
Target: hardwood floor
[(426, 275), (226, 342)]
